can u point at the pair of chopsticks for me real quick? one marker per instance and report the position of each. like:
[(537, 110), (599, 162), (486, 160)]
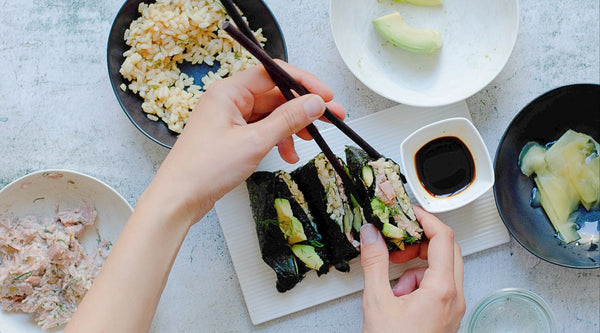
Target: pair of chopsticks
[(244, 36)]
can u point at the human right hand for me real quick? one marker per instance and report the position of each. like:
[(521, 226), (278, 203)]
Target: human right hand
[(236, 122), (428, 299)]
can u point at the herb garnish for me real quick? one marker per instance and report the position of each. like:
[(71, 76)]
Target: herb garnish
[(26, 275), (316, 243), (267, 223)]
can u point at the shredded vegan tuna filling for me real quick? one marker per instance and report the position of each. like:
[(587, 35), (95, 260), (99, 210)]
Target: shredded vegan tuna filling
[(389, 189), (44, 269)]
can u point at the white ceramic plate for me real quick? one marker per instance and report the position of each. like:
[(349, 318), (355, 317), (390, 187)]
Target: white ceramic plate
[(39, 194), (478, 37), (476, 226)]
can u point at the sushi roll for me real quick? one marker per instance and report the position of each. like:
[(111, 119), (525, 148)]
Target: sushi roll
[(334, 210), (287, 237), (383, 197)]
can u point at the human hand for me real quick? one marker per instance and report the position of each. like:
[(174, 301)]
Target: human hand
[(424, 299), (236, 122)]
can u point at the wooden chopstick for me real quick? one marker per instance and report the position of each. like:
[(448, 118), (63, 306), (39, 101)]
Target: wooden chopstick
[(274, 71), (279, 74), (239, 20)]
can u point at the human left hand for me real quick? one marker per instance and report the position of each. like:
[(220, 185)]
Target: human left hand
[(426, 299)]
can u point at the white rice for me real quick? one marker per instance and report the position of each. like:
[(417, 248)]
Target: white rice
[(337, 202), (168, 33)]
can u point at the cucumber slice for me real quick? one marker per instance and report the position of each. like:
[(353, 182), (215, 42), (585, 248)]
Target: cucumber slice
[(348, 219), (380, 210), (358, 220), (367, 175)]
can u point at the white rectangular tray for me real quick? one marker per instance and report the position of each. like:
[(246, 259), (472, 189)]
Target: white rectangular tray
[(476, 226)]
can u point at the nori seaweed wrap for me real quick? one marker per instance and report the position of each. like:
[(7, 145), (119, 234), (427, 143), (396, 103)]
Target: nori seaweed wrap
[(383, 196), (332, 208), (285, 231)]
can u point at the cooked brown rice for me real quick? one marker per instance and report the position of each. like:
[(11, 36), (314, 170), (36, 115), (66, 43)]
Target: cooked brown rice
[(168, 33)]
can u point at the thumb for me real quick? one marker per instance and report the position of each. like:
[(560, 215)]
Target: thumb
[(374, 258), (291, 117)]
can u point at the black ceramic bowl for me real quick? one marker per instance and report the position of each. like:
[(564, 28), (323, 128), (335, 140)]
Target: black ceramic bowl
[(575, 107), (258, 15)]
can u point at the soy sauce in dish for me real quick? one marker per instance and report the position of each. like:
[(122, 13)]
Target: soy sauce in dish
[(445, 166)]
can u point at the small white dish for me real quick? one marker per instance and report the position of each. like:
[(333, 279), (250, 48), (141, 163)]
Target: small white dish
[(478, 38), (483, 175)]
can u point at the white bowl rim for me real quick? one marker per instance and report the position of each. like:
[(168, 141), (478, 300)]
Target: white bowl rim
[(80, 174), (108, 228), (425, 102)]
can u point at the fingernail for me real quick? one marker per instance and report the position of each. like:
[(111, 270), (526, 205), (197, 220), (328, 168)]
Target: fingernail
[(368, 234), (314, 106)]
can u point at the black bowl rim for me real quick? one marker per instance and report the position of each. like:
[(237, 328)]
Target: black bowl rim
[(285, 52), (515, 120)]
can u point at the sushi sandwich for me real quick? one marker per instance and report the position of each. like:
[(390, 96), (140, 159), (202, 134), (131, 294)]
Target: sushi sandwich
[(337, 215), (383, 197), (288, 239)]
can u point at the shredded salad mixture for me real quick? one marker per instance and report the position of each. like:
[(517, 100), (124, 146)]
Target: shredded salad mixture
[(44, 269)]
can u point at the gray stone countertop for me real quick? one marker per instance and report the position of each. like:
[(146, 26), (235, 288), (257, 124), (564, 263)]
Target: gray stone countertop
[(59, 111)]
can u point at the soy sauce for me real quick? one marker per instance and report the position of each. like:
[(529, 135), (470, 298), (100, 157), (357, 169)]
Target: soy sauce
[(445, 166)]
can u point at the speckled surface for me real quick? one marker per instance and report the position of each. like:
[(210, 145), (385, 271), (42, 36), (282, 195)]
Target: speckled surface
[(58, 111)]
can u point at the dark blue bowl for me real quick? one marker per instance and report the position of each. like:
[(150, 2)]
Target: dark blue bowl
[(258, 15), (544, 120)]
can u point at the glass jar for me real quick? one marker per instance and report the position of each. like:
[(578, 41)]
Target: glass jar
[(512, 310)]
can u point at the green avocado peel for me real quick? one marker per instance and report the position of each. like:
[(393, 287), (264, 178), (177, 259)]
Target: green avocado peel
[(393, 29)]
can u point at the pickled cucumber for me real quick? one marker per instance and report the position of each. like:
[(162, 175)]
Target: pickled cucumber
[(566, 174), (575, 156)]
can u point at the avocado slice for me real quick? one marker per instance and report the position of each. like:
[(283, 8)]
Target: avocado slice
[(391, 231), (289, 225), (393, 28), (422, 2), (308, 255)]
